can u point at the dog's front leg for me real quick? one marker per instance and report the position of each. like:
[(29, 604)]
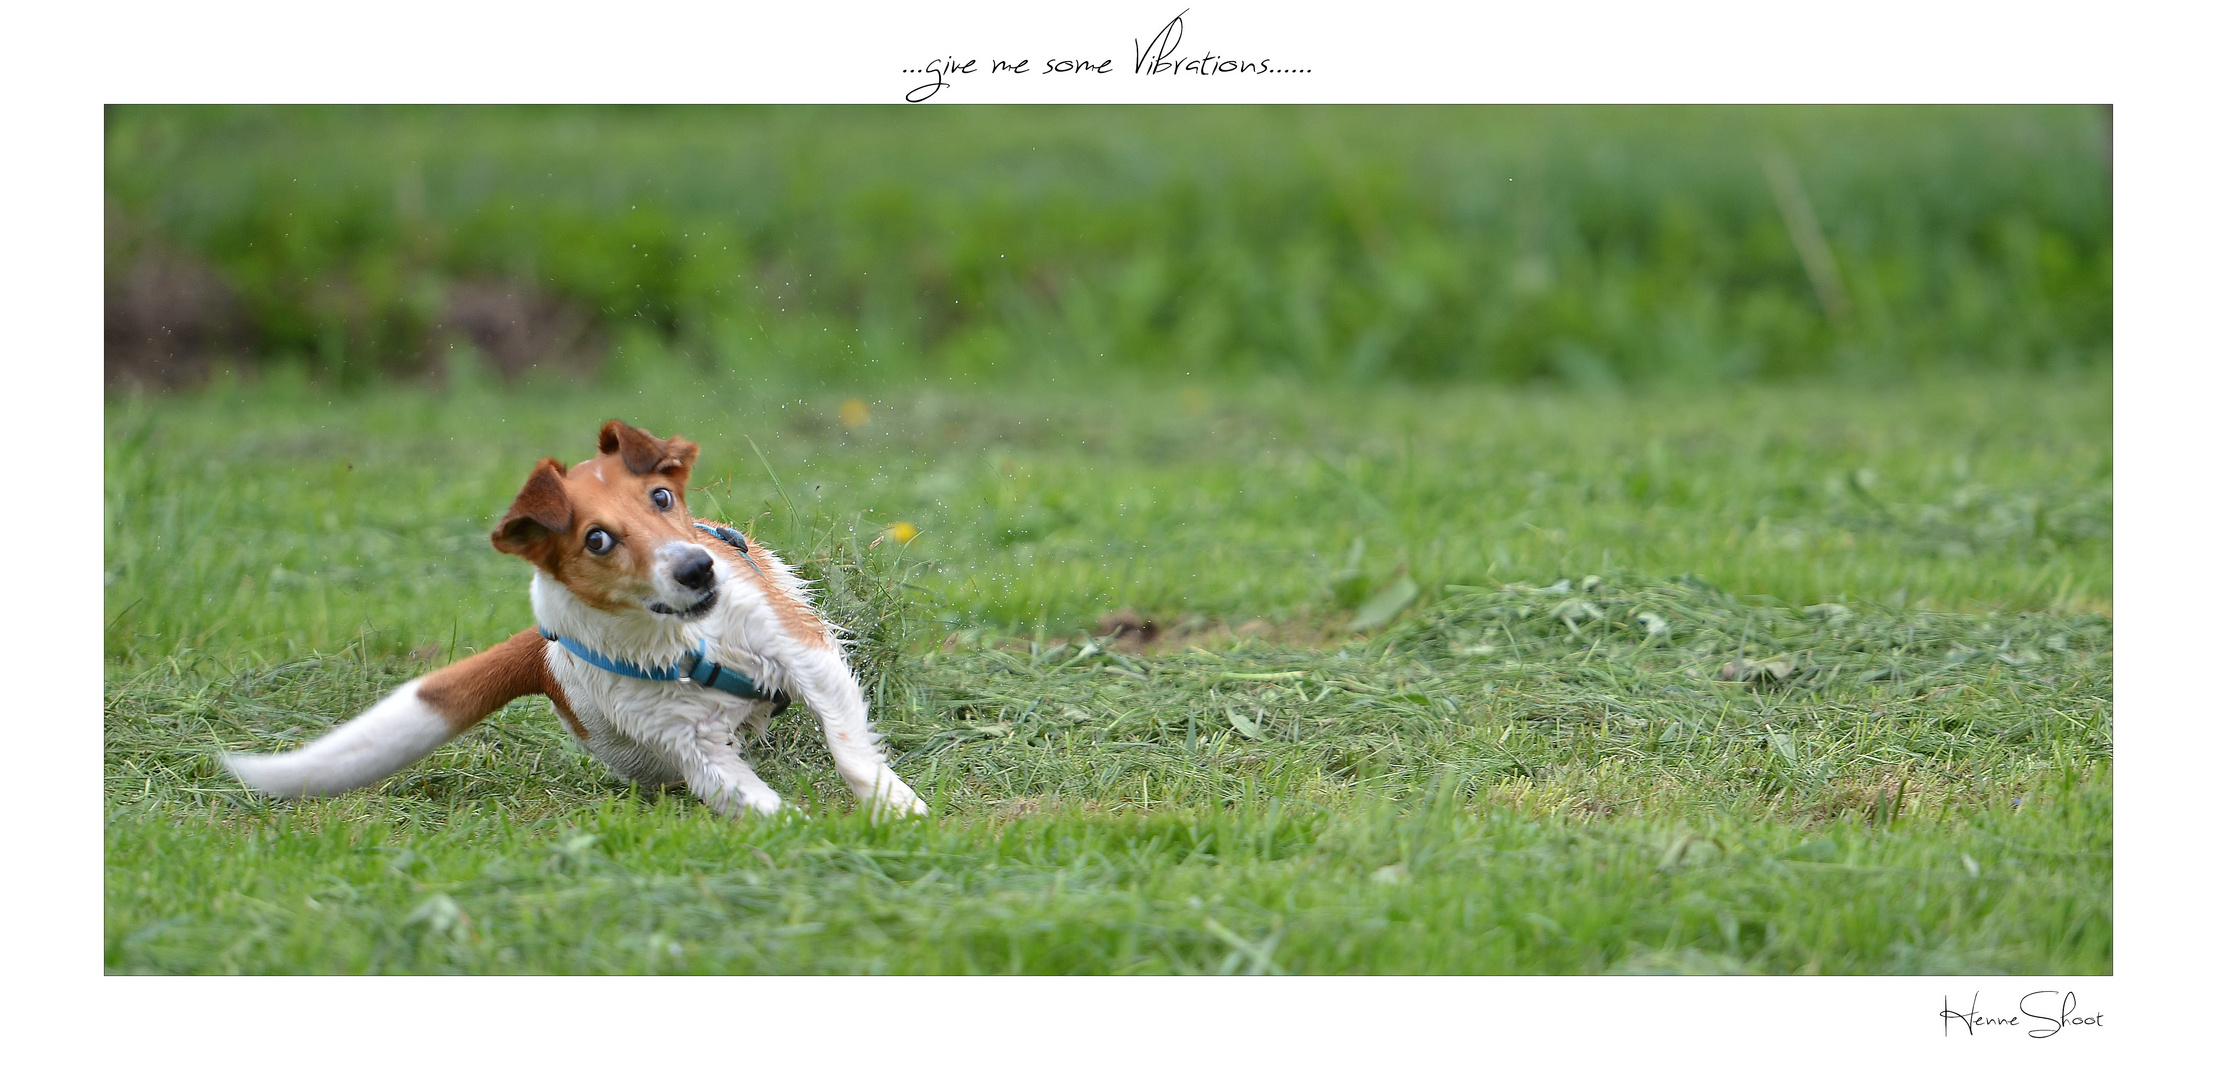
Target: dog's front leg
[(717, 775), (821, 677)]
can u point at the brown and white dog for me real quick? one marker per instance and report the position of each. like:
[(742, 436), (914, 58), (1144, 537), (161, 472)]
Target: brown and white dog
[(624, 571)]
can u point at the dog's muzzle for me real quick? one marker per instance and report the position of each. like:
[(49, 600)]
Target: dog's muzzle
[(707, 604), (695, 569)]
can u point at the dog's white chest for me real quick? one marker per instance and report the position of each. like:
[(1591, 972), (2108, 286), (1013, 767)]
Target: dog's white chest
[(645, 730)]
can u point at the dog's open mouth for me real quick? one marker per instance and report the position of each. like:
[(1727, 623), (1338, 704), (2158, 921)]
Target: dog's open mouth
[(694, 612)]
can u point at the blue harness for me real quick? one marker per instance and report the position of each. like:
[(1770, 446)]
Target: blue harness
[(693, 667)]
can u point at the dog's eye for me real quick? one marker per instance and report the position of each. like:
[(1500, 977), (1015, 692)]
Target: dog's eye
[(598, 541), (663, 500)]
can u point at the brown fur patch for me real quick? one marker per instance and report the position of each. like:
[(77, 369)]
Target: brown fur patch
[(561, 703), (796, 616), (469, 690)]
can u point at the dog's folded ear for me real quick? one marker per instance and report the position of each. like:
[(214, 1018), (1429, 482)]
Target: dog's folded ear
[(540, 513), (643, 453)]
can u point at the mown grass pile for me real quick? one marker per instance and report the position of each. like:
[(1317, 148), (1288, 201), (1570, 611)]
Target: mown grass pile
[(1604, 697), (1350, 748)]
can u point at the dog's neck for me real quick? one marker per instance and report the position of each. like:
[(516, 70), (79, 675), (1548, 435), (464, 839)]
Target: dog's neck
[(637, 637)]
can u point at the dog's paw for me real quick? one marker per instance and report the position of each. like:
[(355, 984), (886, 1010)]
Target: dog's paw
[(764, 802), (891, 796)]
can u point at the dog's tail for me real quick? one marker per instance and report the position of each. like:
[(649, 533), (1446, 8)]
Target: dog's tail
[(409, 723)]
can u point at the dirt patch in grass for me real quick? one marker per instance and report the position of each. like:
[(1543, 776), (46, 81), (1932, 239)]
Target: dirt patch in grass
[(521, 328), (170, 321), (1128, 631)]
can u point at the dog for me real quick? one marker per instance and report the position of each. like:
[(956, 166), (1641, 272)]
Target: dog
[(660, 639)]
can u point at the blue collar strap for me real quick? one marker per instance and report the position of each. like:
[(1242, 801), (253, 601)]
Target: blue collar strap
[(694, 667), (731, 536)]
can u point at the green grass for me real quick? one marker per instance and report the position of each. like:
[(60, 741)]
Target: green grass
[(1804, 678), (1586, 245), (281, 521)]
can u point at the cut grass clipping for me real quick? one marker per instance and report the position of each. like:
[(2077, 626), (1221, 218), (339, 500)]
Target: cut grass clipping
[(1611, 774)]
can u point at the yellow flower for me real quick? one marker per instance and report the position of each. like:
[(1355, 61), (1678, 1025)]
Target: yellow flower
[(853, 413), (902, 532)]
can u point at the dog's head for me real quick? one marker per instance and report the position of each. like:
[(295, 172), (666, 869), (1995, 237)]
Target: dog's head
[(614, 528)]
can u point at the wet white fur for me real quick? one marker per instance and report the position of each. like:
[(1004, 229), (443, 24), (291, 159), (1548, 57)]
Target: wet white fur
[(394, 733), (664, 732)]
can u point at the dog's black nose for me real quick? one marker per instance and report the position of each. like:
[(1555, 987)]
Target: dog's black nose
[(696, 570)]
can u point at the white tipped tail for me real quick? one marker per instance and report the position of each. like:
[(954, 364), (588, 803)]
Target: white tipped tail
[(393, 734)]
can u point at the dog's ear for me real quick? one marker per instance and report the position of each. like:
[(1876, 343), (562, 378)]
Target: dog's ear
[(678, 456), (643, 453), (540, 513)]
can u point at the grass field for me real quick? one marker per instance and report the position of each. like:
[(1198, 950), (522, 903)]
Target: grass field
[(1642, 245), (1783, 678)]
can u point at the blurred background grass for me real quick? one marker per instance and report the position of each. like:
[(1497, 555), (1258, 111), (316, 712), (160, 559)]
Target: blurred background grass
[(1327, 244)]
